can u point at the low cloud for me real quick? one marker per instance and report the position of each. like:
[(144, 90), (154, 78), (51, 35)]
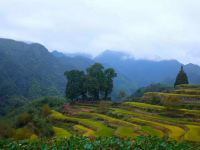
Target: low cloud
[(150, 29)]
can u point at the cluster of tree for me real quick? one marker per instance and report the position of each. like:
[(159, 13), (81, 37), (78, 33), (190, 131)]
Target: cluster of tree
[(181, 78), (94, 84)]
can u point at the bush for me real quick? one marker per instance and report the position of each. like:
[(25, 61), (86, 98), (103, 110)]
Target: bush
[(104, 143), (6, 130), (23, 119), (46, 110)]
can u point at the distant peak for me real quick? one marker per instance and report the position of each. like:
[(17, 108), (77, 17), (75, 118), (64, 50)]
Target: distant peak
[(115, 55)]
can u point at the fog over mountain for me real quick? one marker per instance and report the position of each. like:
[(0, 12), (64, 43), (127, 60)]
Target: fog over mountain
[(153, 30)]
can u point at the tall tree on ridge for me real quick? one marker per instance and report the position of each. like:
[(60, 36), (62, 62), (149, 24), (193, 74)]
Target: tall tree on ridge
[(181, 78)]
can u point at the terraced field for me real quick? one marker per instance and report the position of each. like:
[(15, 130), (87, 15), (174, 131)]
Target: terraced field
[(126, 122), (130, 119)]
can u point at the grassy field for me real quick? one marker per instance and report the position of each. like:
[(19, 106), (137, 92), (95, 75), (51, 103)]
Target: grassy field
[(127, 122)]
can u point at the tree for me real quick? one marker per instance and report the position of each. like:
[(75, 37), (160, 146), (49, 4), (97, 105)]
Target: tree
[(181, 78), (35, 90), (109, 74), (96, 84), (75, 84), (95, 80)]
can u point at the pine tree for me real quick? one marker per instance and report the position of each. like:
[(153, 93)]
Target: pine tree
[(181, 78)]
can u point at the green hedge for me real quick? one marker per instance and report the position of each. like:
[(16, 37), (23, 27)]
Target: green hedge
[(102, 143)]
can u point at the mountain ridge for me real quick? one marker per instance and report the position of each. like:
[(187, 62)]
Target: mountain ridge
[(22, 64)]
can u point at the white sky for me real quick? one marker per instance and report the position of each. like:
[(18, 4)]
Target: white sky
[(151, 29)]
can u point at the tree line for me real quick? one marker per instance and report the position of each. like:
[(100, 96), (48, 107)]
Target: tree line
[(96, 83)]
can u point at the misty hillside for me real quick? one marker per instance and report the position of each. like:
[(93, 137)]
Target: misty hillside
[(30, 69), (145, 72)]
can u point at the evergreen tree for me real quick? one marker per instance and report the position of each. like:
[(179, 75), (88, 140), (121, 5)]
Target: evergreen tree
[(181, 78), (75, 84), (96, 80), (109, 74), (97, 84)]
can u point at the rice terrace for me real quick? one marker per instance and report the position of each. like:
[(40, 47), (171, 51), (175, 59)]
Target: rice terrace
[(130, 119), (99, 75), (127, 120)]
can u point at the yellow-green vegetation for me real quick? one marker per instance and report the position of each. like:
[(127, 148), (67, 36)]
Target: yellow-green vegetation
[(162, 95), (125, 132), (155, 117), (153, 131), (22, 133), (100, 128), (187, 91), (86, 131), (113, 121), (174, 132), (61, 133), (145, 105), (188, 86), (193, 134), (125, 122), (157, 107)]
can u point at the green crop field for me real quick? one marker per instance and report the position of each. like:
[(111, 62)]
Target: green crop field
[(127, 122)]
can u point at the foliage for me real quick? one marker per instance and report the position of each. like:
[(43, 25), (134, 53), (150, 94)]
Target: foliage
[(23, 119), (46, 110), (96, 84), (86, 131), (181, 78), (171, 102), (6, 130), (103, 107), (152, 88), (75, 85), (193, 134), (8, 103), (103, 143), (61, 133)]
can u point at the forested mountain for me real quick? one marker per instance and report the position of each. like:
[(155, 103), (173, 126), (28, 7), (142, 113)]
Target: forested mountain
[(146, 72), (30, 70)]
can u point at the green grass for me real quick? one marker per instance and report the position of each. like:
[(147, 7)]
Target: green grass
[(86, 131), (153, 131), (153, 117), (158, 107), (171, 94), (193, 134), (145, 105), (187, 91), (126, 132), (61, 133), (174, 132), (100, 128), (113, 121), (131, 124)]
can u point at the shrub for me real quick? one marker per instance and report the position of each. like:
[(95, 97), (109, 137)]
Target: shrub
[(171, 102), (6, 130), (104, 143), (46, 110), (23, 119)]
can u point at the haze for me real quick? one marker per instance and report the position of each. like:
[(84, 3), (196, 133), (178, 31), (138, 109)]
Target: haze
[(147, 29)]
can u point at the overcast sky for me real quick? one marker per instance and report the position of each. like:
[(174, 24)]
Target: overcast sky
[(151, 29)]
